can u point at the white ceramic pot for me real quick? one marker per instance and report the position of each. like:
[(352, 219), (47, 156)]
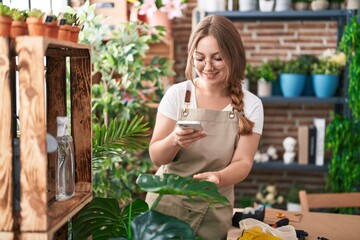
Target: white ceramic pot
[(264, 88), (211, 5), (247, 5), (246, 84), (283, 5), (266, 5), (353, 4), (318, 5)]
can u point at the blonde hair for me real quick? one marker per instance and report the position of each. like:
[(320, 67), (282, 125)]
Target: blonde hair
[(232, 52)]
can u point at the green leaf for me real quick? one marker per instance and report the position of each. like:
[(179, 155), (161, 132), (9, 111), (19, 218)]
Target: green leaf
[(155, 225), (177, 185)]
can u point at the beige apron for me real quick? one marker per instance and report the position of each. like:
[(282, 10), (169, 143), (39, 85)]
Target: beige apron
[(212, 153)]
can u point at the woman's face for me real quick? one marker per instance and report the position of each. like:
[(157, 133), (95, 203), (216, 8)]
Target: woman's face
[(208, 62)]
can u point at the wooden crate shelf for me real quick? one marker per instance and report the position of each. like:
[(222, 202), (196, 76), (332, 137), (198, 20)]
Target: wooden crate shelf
[(42, 97)]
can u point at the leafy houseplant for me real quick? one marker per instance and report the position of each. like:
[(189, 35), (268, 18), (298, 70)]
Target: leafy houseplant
[(266, 76), (292, 79), (18, 24), (5, 20), (343, 132), (102, 218)]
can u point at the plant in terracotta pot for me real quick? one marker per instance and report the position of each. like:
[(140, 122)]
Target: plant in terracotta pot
[(18, 25), (5, 20), (69, 29), (52, 26), (36, 27)]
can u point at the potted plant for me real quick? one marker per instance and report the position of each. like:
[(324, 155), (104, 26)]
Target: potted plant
[(5, 20), (18, 24), (52, 26), (251, 77), (301, 5), (283, 5), (247, 5), (317, 5), (292, 79), (307, 62), (266, 76), (36, 26), (326, 75), (266, 5), (335, 4), (68, 30), (292, 198)]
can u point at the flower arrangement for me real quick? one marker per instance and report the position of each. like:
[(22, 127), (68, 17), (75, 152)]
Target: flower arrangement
[(173, 8), (268, 195), (331, 62)]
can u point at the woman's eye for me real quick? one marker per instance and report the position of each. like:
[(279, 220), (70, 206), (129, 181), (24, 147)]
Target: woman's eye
[(199, 59), (218, 59)]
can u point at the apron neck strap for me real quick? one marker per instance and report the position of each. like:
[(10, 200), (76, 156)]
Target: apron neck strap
[(187, 99)]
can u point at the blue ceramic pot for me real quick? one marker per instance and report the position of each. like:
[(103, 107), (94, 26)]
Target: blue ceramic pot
[(325, 85), (292, 84)]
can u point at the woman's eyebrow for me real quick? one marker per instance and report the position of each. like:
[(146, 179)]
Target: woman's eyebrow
[(197, 52)]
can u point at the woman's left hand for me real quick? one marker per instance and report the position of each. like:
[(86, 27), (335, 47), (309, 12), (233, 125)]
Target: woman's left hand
[(214, 177)]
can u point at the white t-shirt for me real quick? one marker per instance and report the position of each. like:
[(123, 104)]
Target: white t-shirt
[(174, 99)]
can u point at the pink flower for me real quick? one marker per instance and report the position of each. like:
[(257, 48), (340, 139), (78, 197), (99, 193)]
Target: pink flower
[(173, 8)]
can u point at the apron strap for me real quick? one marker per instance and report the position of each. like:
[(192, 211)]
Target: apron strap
[(187, 99)]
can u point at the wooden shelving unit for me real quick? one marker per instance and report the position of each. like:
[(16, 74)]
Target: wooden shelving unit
[(35, 214)]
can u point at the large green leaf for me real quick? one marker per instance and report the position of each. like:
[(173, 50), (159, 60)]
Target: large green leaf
[(177, 185), (157, 226), (102, 218)]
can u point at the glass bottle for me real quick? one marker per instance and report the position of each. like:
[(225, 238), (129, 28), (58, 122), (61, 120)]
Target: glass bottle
[(64, 167)]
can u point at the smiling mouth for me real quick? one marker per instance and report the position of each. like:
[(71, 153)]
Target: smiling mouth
[(210, 75)]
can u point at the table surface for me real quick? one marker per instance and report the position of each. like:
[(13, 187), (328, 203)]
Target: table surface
[(329, 225)]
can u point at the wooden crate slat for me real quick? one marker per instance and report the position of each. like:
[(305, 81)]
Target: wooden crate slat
[(33, 157), (6, 155), (80, 77)]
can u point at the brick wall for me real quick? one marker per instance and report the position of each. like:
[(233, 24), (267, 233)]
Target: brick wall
[(265, 41)]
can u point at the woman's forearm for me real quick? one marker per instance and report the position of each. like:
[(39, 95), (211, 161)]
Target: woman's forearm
[(234, 173), (163, 151)]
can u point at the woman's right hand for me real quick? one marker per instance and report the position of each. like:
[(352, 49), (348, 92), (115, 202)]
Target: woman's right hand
[(185, 137)]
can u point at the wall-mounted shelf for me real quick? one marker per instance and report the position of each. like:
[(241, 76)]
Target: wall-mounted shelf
[(306, 100), (280, 166)]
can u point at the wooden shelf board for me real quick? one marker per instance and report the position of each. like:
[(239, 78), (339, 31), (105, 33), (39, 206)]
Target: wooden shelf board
[(61, 211)]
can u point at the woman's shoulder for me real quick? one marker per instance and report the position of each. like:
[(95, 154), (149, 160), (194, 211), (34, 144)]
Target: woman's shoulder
[(250, 97)]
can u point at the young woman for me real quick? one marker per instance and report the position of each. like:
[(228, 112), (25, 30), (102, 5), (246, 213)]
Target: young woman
[(232, 121)]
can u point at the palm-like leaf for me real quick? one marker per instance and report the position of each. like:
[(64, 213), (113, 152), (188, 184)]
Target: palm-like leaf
[(120, 135), (102, 218)]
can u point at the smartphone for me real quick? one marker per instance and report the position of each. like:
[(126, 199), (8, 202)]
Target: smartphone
[(196, 125)]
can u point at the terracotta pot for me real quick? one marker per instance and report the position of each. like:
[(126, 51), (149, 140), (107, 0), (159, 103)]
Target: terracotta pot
[(5, 26), (36, 27), (52, 29), (300, 6), (64, 32), (160, 18), (74, 34), (18, 28)]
